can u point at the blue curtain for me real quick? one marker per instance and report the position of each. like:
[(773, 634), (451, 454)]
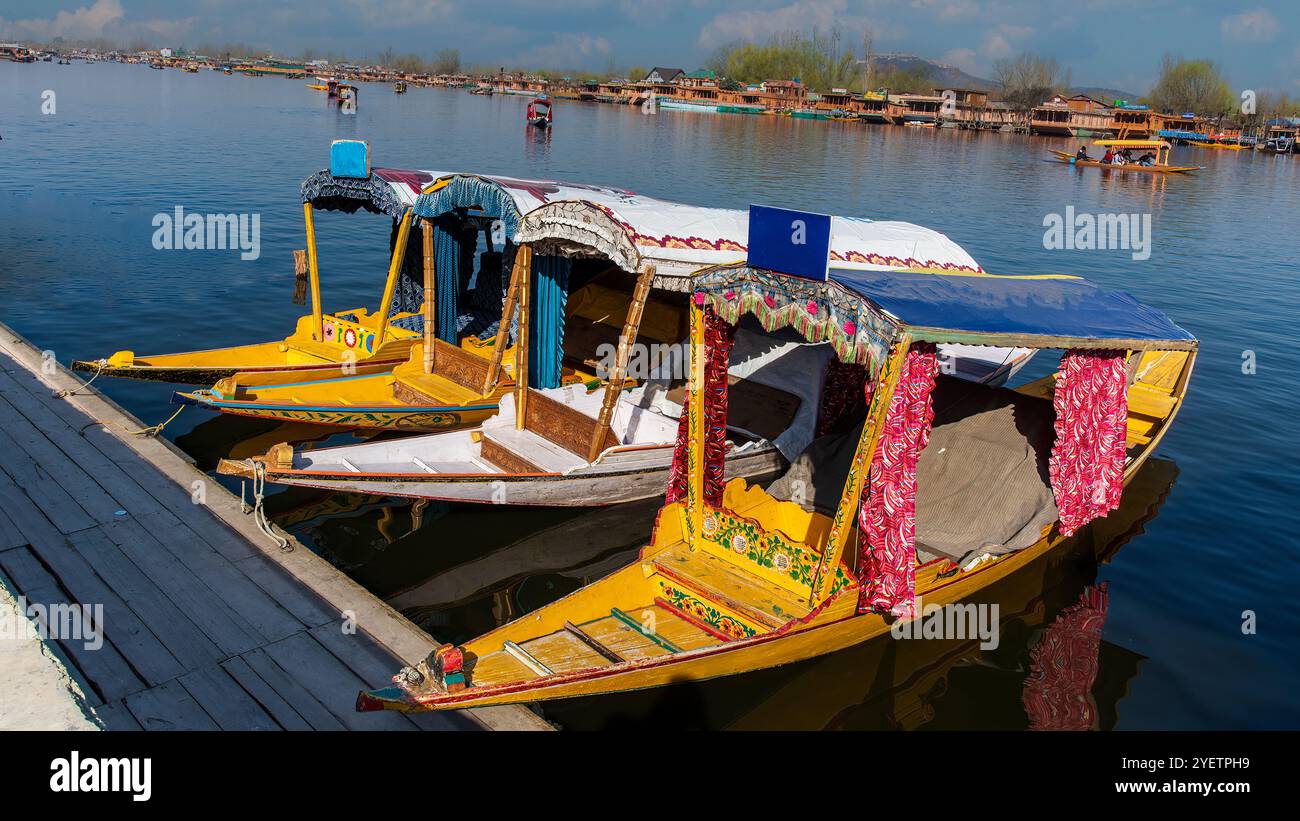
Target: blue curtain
[(550, 290), (447, 255)]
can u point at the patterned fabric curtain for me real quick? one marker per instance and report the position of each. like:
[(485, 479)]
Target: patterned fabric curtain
[(447, 263), (408, 296), (887, 517), (1063, 667), (718, 337), (550, 291), (842, 394), (1087, 462)]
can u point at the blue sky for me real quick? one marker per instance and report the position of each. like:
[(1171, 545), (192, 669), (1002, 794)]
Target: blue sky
[(1116, 43)]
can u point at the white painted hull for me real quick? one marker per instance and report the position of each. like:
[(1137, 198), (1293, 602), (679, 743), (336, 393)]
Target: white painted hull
[(640, 474)]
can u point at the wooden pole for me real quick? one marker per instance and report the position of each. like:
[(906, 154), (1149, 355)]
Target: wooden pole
[(618, 374), (394, 271), (430, 296), (695, 429), (521, 344), (846, 513), (313, 273), (507, 313)]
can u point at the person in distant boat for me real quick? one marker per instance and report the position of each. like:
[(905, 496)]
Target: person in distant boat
[(1109, 158), (1082, 153)]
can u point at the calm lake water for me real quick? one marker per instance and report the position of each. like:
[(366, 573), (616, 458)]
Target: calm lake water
[(80, 277)]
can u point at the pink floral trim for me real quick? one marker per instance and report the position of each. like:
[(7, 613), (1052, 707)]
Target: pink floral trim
[(1087, 462), (887, 555)]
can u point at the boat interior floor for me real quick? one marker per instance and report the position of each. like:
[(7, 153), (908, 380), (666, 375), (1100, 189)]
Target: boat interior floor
[(648, 631), (982, 479)]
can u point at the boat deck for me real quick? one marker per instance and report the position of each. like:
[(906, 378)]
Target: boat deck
[(207, 623)]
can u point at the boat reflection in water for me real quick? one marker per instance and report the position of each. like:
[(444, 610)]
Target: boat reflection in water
[(459, 570)]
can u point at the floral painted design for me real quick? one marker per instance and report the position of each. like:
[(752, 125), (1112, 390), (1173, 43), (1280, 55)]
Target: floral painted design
[(704, 612)]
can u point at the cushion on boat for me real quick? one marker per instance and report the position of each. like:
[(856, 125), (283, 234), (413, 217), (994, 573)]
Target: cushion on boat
[(981, 483)]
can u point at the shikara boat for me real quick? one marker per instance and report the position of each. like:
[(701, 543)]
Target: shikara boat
[(739, 578), (539, 113), (1161, 165), (322, 346), (579, 446), (575, 292)]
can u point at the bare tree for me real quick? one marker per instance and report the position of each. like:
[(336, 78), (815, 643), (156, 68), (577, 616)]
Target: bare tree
[(1027, 80)]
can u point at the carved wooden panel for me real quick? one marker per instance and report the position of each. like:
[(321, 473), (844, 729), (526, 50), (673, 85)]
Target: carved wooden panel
[(460, 366), (565, 426), (507, 460)]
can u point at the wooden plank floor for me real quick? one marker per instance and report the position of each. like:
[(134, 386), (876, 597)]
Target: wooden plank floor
[(207, 624)]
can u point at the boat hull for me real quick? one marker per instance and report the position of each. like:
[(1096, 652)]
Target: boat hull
[(1069, 159), (614, 481), (413, 418)]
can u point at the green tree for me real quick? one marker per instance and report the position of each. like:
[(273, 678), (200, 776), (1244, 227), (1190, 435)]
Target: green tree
[(1192, 86)]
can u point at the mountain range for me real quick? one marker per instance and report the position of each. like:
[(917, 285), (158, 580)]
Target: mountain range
[(949, 76)]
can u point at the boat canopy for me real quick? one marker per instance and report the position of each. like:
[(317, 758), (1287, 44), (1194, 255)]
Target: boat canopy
[(635, 230), (861, 312), (1133, 143), (388, 191)]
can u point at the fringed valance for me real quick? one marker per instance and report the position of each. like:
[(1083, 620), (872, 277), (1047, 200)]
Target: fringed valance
[(329, 193), (821, 312), (576, 229), (486, 198)]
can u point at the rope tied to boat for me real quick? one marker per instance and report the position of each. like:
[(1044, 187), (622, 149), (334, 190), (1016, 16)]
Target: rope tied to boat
[(148, 430), (258, 470), (100, 365)]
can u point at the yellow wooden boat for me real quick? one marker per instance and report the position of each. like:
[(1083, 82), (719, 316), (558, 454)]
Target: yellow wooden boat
[(1161, 165), (322, 346), (572, 304), (1220, 145), (740, 578)]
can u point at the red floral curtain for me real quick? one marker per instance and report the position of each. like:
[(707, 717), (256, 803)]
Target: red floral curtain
[(1063, 667), (1087, 462), (887, 518), (718, 337)]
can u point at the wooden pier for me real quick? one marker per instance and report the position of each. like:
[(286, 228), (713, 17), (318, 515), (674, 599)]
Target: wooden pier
[(207, 623)]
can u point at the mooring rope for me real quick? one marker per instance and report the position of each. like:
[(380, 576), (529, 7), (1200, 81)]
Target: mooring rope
[(148, 430), (258, 511), (99, 368)]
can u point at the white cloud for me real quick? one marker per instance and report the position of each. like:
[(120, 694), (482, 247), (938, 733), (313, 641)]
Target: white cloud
[(567, 51), (83, 24), (802, 15), (402, 14), (995, 46), (950, 10), (964, 59), (105, 18), (1255, 26)]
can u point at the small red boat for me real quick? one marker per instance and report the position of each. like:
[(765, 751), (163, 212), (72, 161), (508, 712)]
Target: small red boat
[(539, 113)]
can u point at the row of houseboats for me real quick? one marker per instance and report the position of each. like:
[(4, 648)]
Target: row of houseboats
[(553, 343)]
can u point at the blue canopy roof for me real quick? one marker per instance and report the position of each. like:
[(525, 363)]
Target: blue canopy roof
[(1053, 307)]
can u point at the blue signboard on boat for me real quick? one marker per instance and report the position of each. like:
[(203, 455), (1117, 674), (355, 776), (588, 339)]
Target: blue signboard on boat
[(350, 158), (790, 242)]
